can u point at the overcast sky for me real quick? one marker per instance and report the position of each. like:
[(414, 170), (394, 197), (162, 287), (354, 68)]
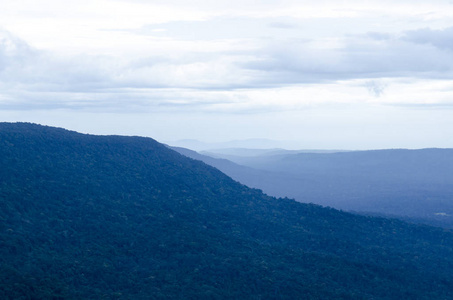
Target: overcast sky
[(322, 74)]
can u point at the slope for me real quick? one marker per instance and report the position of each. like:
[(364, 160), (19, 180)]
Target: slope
[(95, 217), (413, 184)]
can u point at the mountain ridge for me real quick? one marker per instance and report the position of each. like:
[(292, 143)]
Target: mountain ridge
[(87, 216), (410, 184)]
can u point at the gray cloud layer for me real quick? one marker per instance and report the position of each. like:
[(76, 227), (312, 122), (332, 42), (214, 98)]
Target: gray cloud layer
[(28, 75), (416, 54), (441, 39)]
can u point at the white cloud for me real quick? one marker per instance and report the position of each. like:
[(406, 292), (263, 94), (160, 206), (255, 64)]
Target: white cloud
[(285, 75)]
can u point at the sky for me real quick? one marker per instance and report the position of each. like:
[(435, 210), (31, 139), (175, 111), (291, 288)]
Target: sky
[(309, 74)]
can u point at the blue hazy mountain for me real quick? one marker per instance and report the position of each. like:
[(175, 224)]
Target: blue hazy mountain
[(237, 153), (113, 217), (414, 184), (241, 144)]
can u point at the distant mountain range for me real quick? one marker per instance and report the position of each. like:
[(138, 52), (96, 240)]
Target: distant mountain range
[(246, 144), (237, 153), (415, 185), (113, 217)]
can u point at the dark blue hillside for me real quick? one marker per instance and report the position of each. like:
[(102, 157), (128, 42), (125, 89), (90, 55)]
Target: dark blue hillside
[(92, 217)]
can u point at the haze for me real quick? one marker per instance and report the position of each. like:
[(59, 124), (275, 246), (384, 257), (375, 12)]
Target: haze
[(322, 74)]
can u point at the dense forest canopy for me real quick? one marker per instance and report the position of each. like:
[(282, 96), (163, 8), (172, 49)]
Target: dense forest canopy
[(93, 217)]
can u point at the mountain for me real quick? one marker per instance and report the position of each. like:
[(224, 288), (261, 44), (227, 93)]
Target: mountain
[(93, 217), (251, 177), (413, 184), (235, 144), (234, 154)]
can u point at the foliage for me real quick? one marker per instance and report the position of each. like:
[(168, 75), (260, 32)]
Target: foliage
[(112, 217)]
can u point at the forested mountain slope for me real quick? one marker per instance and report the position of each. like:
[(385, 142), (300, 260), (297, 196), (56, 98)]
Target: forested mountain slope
[(93, 217)]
